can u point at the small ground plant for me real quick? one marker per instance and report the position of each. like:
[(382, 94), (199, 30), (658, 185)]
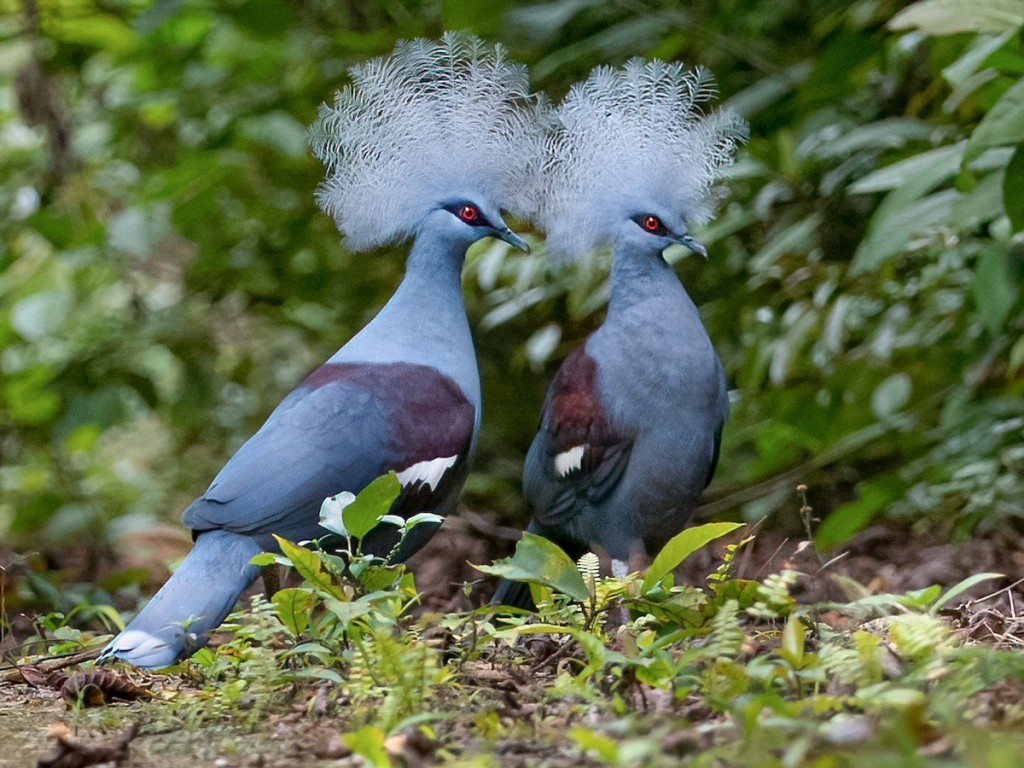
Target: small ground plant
[(638, 671)]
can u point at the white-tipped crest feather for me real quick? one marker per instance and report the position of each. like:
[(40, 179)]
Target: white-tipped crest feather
[(630, 141), (432, 121)]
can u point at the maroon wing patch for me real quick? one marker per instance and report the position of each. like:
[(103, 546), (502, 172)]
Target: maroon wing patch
[(430, 420), (575, 417), (429, 415), (578, 457)]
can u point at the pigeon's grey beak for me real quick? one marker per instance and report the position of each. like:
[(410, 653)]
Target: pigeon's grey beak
[(692, 244), (512, 239)]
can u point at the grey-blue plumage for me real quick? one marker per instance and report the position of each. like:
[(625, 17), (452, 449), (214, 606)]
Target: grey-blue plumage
[(430, 142), (631, 425), (649, 416), (403, 391), (376, 405), (194, 601), (632, 422)]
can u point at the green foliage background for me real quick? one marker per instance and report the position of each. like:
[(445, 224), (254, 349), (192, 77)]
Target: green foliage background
[(165, 276)]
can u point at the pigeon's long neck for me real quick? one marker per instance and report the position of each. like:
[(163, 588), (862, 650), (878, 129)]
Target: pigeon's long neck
[(643, 283), (652, 326), (654, 357), (425, 321)]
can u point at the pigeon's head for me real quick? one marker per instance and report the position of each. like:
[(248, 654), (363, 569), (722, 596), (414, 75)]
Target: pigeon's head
[(472, 221), (465, 219), (631, 158), (654, 231)]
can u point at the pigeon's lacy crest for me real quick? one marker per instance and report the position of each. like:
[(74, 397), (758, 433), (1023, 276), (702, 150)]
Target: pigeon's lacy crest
[(628, 141), (433, 120)]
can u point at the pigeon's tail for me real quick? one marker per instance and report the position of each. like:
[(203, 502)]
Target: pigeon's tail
[(194, 601), (514, 594)]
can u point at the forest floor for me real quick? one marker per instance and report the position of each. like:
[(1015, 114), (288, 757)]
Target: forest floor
[(505, 709)]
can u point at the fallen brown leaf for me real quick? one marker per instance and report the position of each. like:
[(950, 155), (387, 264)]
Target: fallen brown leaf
[(100, 687)]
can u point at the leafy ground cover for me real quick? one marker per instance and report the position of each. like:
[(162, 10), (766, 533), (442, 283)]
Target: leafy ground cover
[(761, 651)]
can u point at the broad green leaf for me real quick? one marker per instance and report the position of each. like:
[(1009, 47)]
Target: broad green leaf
[(891, 395), (307, 564), (917, 598), (331, 512), (1016, 357), (29, 398), (793, 636), (368, 743), (936, 164), (363, 513), (899, 698), (423, 517), (1002, 125), (606, 749), (982, 203), (1013, 189), (964, 71), (767, 91), (960, 588), (994, 287), (847, 519), (895, 222), (632, 34), (920, 598), (947, 17), (319, 673), (681, 546), (797, 237), (98, 30), (887, 133), (110, 615), (539, 560), (541, 344), (293, 606), (347, 612), (40, 314), (263, 559), (277, 130), (543, 629), (378, 577)]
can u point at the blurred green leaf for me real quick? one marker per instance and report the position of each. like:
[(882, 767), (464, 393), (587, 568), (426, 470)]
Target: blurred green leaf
[(1002, 125), (1013, 189), (936, 164), (995, 287), (853, 516), (539, 560), (368, 743), (946, 17), (681, 546), (98, 30), (891, 395)]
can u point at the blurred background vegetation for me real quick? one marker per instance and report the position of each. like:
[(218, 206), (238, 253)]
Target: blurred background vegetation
[(166, 277)]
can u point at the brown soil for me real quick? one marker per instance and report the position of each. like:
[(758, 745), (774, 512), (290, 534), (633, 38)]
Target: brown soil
[(885, 558)]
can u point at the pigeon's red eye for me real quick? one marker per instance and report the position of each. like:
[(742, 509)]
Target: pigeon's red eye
[(469, 213), (651, 223)]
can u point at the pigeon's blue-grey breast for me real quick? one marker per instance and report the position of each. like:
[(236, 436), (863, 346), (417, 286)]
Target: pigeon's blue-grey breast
[(431, 142), (631, 425)]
